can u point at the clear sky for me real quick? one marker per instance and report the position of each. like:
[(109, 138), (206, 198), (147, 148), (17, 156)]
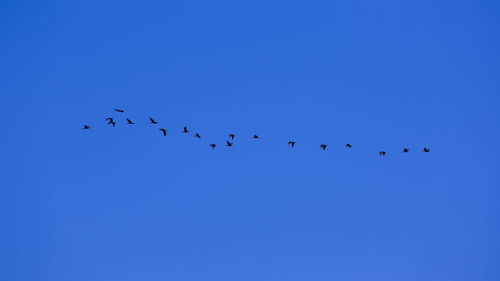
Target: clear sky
[(126, 203)]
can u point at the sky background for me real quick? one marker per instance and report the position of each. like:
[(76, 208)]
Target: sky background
[(126, 203)]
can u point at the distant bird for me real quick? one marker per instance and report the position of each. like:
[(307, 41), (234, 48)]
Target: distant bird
[(323, 146), (406, 149), (426, 150), (197, 136), (152, 121), (228, 143), (86, 127), (163, 131), (348, 145), (255, 137), (231, 136), (381, 153), (292, 143), (119, 110), (185, 130), (130, 122), (110, 121), (213, 145)]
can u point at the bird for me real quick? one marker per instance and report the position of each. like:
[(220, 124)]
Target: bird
[(118, 110), (110, 121), (323, 146), (213, 145), (255, 137), (86, 127), (164, 131), (228, 143), (426, 149), (197, 136), (406, 149), (348, 145), (381, 153), (231, 136), (185, 130), (130, 122), (152, 121), (292, 143)]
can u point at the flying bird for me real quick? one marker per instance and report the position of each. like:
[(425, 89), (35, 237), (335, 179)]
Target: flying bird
[(381, 153), (119, 110), (185, 130), (228, 143), (110, 121), (197, 136), (255, 137), (152, 121), (348, 145), (406, 149), (164, 131), (86, 127), (292, 143), (213, 145), (231, 136), (323, 146), (130, 122), (426, 149)]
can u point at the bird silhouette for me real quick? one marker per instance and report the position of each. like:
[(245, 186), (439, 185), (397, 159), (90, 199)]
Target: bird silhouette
[(292, 143), (213, 145), (255, 137), (119, 110), (152, 121), (348, 145), (406, 149), (109, 119), (164, 131), (381, 153), (228, 143), (426, 149), (185, 130), (231, 136), (130, 122), (86, 127), (323, 146), (197, 136)]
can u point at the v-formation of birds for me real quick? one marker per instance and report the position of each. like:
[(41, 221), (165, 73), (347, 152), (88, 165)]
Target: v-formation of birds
[(112, 122)]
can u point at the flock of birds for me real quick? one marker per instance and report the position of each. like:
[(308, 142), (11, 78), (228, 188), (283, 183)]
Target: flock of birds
[(111, 121)]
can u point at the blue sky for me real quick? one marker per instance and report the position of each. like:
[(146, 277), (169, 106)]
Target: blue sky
[(126, 203)]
